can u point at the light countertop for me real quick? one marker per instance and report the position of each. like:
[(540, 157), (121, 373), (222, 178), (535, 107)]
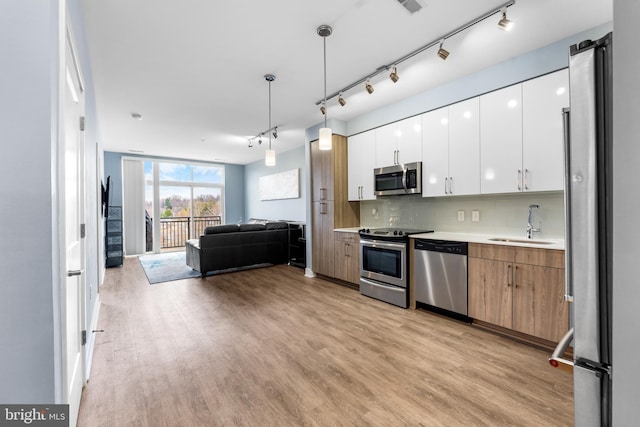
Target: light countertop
[(511, 240), (486, 238)]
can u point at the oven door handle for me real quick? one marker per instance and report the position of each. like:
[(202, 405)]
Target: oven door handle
[(382, 244), (382, 285)]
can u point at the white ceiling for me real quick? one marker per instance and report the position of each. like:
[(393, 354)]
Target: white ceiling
[(194, 68)]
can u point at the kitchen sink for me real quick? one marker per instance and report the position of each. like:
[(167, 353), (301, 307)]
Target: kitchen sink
[(531, 242)]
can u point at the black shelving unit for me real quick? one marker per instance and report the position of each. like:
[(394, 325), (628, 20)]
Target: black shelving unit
[(297, 244), (113, 237)]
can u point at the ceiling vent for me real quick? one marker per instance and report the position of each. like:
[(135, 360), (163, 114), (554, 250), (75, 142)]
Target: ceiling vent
[(411, 5)]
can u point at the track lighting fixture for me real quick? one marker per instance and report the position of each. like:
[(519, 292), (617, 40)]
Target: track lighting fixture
[(442, 52), (368, 87), (505, 23), (394, 75), (275, 133), (270, 156), (341, 100), (260, 140), (324, 134), (250, 143)]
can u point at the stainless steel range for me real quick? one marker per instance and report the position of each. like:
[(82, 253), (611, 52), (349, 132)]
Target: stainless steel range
[(384, 264)]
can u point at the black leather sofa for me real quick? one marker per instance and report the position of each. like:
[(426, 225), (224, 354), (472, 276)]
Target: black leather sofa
[(232, 246)]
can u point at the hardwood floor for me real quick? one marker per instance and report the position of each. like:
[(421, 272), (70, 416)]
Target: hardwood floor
[(271, 347)]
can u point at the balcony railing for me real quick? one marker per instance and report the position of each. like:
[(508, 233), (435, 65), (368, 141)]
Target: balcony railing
[(175, 231)]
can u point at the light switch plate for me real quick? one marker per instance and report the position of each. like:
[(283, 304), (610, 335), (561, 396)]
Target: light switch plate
[(475, 216), (460, 216)]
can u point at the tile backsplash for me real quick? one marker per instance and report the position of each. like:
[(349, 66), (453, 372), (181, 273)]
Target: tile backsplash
[(504, 214)]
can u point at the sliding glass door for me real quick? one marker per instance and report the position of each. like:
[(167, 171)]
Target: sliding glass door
[(185, 198)]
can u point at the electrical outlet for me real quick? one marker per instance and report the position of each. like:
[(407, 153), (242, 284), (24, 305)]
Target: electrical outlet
[(475, 216), (461, 216)]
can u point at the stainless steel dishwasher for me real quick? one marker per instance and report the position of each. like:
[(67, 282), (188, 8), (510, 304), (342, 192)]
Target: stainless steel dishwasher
[(440, 271)]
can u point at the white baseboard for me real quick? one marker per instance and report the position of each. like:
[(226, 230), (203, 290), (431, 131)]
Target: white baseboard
[(91, 337)]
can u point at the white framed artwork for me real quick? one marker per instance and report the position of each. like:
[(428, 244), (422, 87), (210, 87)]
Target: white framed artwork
[(282, 185)]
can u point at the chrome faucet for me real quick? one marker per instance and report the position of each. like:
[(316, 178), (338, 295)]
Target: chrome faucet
[(530, 229)]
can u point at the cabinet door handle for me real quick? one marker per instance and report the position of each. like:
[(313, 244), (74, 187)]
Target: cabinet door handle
[(519, 179), (509, 275), (446, 181), (526, 175), (515, 277), (450, 185), (323, 209), (323, 193)]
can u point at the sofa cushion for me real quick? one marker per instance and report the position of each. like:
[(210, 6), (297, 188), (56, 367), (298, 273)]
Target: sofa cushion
[(276, 225), (217, 229), (252, 227)]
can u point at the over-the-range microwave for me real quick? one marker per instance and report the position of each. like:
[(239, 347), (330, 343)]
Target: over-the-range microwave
[(398, 179)]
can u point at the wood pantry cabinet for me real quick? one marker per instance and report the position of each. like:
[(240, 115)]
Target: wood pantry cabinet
[(518, 288), (330, 206), (347, 259)]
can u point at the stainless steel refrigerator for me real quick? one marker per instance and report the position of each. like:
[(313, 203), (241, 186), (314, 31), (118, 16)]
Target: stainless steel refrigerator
[(588, 229)]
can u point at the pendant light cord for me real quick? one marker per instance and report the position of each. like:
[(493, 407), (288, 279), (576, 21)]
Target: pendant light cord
[(325, 80), (269, 114)]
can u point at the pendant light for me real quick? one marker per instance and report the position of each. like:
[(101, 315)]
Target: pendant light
[(324, 31), (270, 157)]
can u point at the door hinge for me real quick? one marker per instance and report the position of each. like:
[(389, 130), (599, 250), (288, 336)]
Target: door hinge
[(83, 231), (82, 123), (84, 337)]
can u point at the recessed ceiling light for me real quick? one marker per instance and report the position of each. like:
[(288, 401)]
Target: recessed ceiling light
[(136, 116), (560, 91), (136, 151)]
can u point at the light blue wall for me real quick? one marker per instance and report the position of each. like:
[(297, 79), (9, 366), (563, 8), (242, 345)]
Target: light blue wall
[(288, 209), (30, 322), (234, 194), (28, 251), (626, 205)]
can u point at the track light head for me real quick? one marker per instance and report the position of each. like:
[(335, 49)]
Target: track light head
[(394, 75), (505, 23), (275, 133), (250, 143), (260, 139), (323, 109), (368, 87), (442, 52), (341, 100)]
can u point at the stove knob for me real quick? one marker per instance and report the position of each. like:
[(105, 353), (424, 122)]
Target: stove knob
[(400, 233), (367, 230)]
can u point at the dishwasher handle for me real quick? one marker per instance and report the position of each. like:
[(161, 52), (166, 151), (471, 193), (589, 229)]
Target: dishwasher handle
[(444, 246)]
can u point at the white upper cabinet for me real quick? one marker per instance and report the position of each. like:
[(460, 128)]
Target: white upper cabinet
[(543, 147), (451, 150), (399, 142), (464, 148), (435, 152), (501, 140), (361, 154)]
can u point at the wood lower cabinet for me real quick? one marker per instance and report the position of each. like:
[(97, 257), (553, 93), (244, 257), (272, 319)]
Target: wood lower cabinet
[(347, 259), (519, 288)]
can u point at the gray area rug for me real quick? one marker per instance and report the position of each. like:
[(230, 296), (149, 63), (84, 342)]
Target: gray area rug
[(166, 267), (172, 266)]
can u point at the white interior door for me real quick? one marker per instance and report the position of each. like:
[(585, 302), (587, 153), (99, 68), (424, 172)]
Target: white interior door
[(73, 217)]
